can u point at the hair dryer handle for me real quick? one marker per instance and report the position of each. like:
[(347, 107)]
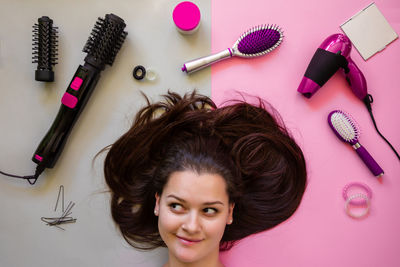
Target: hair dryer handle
[(369, 161), (356, 79)]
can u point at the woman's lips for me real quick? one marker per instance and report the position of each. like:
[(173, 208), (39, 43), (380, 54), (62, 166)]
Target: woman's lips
[(187, 241)]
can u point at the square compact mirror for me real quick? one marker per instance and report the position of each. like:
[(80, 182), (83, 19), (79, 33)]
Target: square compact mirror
[(369, 31)]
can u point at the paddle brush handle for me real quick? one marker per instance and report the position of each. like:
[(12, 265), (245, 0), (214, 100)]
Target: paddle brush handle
[(200, 63), (369, 161)]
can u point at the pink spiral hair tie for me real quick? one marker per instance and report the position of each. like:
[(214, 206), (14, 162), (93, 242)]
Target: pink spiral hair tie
[(350, 200), (357, 201)]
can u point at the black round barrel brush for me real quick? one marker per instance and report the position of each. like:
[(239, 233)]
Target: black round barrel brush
[(45, 44)]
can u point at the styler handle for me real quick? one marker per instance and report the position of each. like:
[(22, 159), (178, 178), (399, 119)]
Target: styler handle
[(203, 62), (356, 79), (73, 102), (368, 160)]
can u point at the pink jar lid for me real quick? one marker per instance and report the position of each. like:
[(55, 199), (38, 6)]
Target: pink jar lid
[(186, 16)]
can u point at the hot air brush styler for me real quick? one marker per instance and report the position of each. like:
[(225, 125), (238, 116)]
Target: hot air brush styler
[(346, 130), (102, 46), (255, 42)]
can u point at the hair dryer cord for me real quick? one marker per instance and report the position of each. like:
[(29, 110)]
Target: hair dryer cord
[(367, 101)]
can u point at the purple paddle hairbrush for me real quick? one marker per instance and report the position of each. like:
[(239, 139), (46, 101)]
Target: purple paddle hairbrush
[(255, 42), (346, 129)]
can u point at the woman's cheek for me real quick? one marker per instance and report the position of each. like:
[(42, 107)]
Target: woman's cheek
[(215, 227), (168, 221)]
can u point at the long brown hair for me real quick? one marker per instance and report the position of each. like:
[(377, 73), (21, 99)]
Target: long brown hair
[(250, 148)]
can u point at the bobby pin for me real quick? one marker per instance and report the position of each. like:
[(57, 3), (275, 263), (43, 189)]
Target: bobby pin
[(61, 189), (56, 221), (67, 212), (65, 217)]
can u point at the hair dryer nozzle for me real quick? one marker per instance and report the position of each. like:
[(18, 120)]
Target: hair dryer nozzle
[(329, 57), (308, 87), (321, 68)]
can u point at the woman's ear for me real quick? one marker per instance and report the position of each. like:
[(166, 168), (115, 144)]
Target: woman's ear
[(157, 206), (230, 213)]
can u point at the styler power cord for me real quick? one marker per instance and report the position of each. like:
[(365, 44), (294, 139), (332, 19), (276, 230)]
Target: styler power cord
[(30, 178), (367, 101)]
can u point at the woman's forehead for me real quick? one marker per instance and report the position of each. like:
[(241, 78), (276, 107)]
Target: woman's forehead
[(191, 186)]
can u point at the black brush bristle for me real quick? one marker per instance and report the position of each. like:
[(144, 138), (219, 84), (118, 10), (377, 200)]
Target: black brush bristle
[(45, 44), (105, 41)]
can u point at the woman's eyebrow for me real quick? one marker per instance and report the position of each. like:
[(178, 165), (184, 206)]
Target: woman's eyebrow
[(177, 198), (213, 203), (205, 203)]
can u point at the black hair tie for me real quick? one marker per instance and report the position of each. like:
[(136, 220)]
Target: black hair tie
[(139, 72)]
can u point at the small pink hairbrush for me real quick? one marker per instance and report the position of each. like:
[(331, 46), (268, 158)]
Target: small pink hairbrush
[(255, 42), (346, 130)]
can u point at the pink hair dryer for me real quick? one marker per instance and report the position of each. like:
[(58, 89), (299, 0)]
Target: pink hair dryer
[(332, 54)]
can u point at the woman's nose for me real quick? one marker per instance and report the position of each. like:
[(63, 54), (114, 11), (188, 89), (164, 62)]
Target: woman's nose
[(191, 223)]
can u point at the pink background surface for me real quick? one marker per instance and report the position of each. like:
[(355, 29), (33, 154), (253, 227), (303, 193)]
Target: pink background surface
[(319, 233)]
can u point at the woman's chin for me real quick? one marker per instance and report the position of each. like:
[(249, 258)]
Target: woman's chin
[(187, 254)]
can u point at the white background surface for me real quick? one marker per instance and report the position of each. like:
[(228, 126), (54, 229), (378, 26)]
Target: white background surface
[(28, 108)]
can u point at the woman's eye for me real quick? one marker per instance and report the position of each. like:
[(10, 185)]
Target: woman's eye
[(210, 211), (176, 207)]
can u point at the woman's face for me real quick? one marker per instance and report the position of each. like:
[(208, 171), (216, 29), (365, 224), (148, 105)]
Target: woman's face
[(193, 211)]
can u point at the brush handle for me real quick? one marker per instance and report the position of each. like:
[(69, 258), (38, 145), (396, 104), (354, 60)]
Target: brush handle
[(368, 160), (203, 62)]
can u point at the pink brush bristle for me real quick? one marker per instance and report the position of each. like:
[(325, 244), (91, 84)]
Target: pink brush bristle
[(260, 39)]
